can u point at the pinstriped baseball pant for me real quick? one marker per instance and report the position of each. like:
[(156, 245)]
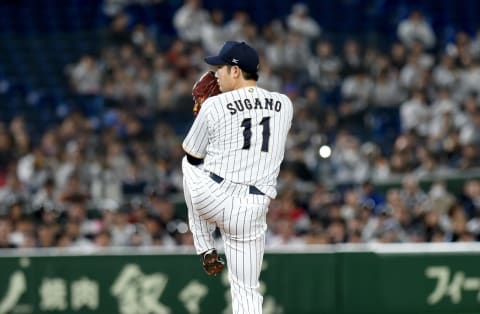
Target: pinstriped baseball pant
[(241, 219)]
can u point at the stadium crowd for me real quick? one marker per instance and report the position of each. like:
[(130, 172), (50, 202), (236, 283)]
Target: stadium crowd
[(409, 111)]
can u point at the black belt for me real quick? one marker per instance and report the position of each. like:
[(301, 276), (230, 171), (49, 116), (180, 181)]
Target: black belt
[(251, 189)]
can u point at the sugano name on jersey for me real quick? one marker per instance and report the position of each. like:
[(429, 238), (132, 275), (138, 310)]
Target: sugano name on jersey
[(246, 104)]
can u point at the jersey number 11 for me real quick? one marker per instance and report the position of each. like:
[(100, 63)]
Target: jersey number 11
[(247, 133)]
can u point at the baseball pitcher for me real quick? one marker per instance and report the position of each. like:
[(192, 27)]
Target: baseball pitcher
[(233, 154)]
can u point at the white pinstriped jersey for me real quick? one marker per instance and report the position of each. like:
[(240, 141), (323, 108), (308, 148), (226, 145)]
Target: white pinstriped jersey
[(241, 135)]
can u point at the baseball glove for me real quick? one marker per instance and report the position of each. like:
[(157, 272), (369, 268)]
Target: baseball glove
[(205, 87)]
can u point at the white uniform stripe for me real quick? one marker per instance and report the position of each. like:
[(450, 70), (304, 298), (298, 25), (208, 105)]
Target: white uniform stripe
[(230, 145), (208, 205), (201, 230), (201, 201), (251, 273), (241, 266)]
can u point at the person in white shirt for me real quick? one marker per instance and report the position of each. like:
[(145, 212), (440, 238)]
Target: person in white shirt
[(415, 28), (189, 20), (301, 22)]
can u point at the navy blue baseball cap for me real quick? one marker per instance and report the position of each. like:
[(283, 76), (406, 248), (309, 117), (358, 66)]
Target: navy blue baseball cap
[(236, 53)]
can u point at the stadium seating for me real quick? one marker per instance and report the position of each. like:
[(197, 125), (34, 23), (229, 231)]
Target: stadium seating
[(38, 38)]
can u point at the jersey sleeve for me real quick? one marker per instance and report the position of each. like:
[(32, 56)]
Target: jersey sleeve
[(196, 141)]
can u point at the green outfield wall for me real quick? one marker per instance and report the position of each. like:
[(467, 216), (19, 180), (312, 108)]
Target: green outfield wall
[(346, 279)]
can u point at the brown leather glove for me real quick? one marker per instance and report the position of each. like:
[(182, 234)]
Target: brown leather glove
[(205, 87)]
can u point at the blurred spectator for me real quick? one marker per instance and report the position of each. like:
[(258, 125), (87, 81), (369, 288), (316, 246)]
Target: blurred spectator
[(33, 169), (163, 210), (470, 198), (458, 223), (213, 33), (416, 28), (190, 19), (415, 113), (274, 34), (6, 153), (324, 66), (398, 55), (268, 78), (387, 92), (445, 74), (475, 45), (13, 190), (121, 229), (21, 137), (313, 104), (348, 163), (351, 205), (295, 49), (384, 228), (289, 208), (300, 21), (356, 90), (319, 199), (439, 198), (337, 231), (118, 34), (85, 76), (352, 59), (412, 196), (317, 236), (469, 158), (284, 235), (139, 35), (430, 165), (460, 50), (252, 36), (47, 195), (23, 233), (46, 235), (369, 197), (411, 73), (379, 168), (106, 180), (74, 237), (113, 7), (445, 119), (236, 27), (144, 90), (5, 233), (470, 132), (103, 239), (433, 229), (73, 190)]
